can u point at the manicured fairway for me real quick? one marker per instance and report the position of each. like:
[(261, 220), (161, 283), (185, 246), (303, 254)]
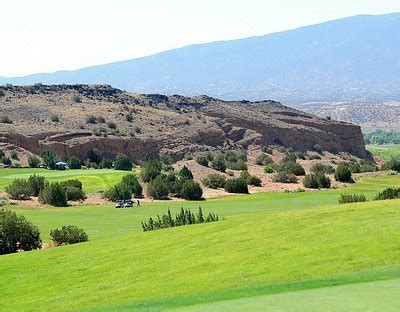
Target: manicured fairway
[(94, 180), (245, 255), (384, 151)]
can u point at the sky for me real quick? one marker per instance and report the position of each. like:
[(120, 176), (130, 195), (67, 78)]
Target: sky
[(50, 35)]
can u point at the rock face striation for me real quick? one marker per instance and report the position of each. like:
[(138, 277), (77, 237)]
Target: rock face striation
[(74, 119)]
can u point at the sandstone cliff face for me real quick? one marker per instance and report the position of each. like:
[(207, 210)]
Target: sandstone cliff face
[(145, 126)]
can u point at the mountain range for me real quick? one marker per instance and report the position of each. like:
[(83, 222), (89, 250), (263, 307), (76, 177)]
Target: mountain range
[(348, 59)]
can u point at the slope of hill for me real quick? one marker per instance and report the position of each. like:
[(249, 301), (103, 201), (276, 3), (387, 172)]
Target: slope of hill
[(350, 58), (74, 119)]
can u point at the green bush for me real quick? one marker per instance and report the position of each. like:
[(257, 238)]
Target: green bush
[(389, 193), (191, 190), (77, 98), (33, 161), (105, 163), (49, 158), (74, 163), (343, 173), (132, 181), (201, 160), (2, 93), (250, 180), (74, 193), (320, 167), (129, 118), (14, 155), (284, 177), (268, 169), (101, 119), (69, 234), (263, 160), (17, 233), (317, 148), (36, 184), (368, 166), (352, 198), (314, 157), (186, 173), (6, 160), (291, 167), (91, 119), (392, 164), (158, 188), (316, 180), (214, 181), (238, 165), (112, 125), (120, 191), (72, 182), (2, 154), (218, 164), (53, 194), (55, 118), (6, 119), (122, 162), (236, 186), (267, 150), (150, 170), (94, 156), (19, 189), (289, 157)]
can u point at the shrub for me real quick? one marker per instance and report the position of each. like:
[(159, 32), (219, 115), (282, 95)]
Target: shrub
[(254, 181), (36, 184), (300, 155), (289, 157), (77, 98), (101, 119), (238, 165), (354, 167), (6, 120), (2, 93), (2, 154), (138, 130), (6, 160), (91, 119), (186, 173), (267, 150), (17, 233), (214, 181), (201, 160), (122, 162), (236, 186), (132, 181), (158, 188), (73, 182), (49, 158), (317, 148), (263, 160), (343, 173), (292, 167), (106, 163), (74, 193), (218, 164), (191, 190), (352, 198), (120, 191), (392, 164), (389, 193), (320, 167), (112, 125), (167, 160), (33, 161), (53, 194), (55, 118), (74, 163), (316, 180), (284, 177), (367, 166), (69, 234), (94, 155), (19, 189), (314, 157), (268, 169), (129, 118), (14, 155), (150, 170)]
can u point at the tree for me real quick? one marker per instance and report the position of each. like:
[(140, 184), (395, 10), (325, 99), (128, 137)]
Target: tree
[(74, 193), (33, 161), (343, 173), (158, 188), (106, 163), (201, 160), (132, 181), (150, 170), (292, 167), (74, 163), (191, 190), (214, 181), (36, 184), (19, 189), (284, 177), (49, 158), (263, 160), (54, 194), (120, 191), (218, 164), (186, 173), (236, 186), (17, 233), (122, 162), (316, 180), (94, 156), (69, 234)]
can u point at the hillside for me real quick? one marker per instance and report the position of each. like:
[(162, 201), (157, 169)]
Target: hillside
[(346, 59), (74, 119)]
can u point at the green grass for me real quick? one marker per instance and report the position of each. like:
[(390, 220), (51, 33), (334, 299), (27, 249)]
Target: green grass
[(94, 180), (273, 251), (384, 151)]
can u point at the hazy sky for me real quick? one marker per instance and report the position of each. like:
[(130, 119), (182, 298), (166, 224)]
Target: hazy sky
[(49, 35)]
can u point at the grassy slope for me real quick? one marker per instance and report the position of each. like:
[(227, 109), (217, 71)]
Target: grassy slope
[(384, 151), (94, 180), (103, 221), (244, 255)]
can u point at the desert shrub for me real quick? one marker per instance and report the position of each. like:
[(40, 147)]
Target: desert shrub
[(268, 169), (2, 154), (354, 167), (367, 166), (289, 157), (236, 186), (33, 161), (267, 150), (112, 125), (238, 165), (343, 173), (6, 120), (2, 93), (191, 190), (36, 184), (69, 234), (320, 167), (316, 180), (250, 180), (150, 170), (317, 148), (49, 158), (167, 160), (184, 217), (263, 160), (17, 233), (74, 193), (158, 188), (291, 167), (132, 181), (101, 119), (53, 194), (314, 157), (6, 160), (91, 119), (284, 177), (105, 163), (186, 173), (138, 130), (129, 118), (77, 98), (392, 164), (19, 189), (14, 155), (201, 160), (352, 198), (122, 162), (120, 191), (90, 164), (209, 156), (55, 118), (218, 164), (214, 181), (389, 193), (94, 155), (300, 155), (74, 163)]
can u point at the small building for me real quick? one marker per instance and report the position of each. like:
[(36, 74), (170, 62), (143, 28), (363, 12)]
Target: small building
[(61, 165)]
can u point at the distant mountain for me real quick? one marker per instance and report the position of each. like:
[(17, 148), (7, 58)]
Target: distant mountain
[(347, 59)]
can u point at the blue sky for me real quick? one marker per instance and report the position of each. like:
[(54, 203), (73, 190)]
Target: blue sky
[(49, 35)]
